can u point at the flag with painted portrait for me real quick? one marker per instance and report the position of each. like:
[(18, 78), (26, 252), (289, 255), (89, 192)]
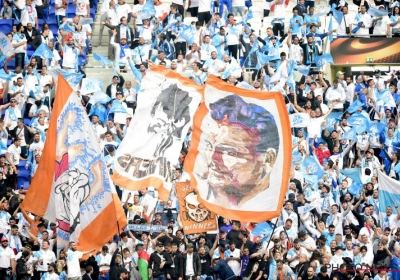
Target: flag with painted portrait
[(150, 150), (240, 155)]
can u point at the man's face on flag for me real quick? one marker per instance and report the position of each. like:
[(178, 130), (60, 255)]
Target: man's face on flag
[(242, 154)]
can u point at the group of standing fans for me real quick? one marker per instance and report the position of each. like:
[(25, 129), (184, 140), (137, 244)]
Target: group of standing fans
[(343, 237)]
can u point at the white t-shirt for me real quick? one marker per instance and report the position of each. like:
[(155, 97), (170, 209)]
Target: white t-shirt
[(123, 11), (70, 57), (204, 6), (315, 127), (61, 11), (235, 265), (6, 255), (47, 257), (81, 7), (136, 10), (14, 154), (101, 259), (74, 269)]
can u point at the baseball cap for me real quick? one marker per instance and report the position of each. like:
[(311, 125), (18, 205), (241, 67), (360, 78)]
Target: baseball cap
[(322, 237), (159, 244), (171, 220), (377, 71), (4, 239), (292, 196), (338, 73)]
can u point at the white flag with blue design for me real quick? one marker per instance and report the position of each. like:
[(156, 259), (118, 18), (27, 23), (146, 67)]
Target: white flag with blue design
[(299, 120), (90, 85), (389, 192), (5, 45)]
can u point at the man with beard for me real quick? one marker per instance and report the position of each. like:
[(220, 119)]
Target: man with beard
[(174, 271), (51, 273), (73, 257), (205, 260), (159, 261), (7, 257)]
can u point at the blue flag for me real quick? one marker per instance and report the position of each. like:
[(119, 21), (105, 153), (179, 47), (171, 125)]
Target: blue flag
[(262, 229), (338, 15), (187, 33), (397, 168), (353, 173), (100, 97), (67, 28), (376, 128), (356, 189), (374, 12), (102, 59), (303, 69), (355, 106), (43, 51), (385, 98), (262, 59), (312, 180), (357, 119), (362, 128), (351, 134), (332, 119), (323, 59), (296, 157), (313, 166), (5, 76), (72, 78), (148, 10), (117, 107)]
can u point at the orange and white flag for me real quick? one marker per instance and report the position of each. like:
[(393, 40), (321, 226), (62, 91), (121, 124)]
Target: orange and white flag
[(194, 215), (146, 157), (72, 186), (240, 154)]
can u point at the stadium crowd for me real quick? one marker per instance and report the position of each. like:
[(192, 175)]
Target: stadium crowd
[(342, 236)]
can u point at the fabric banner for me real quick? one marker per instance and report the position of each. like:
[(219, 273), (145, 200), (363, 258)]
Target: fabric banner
[(73, 187), (195, 217), (166, 105), (389, 192), (148, 228), (299, 120), (241, 141)]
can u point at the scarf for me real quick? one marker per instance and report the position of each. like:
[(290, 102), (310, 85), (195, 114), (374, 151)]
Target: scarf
[(122, 52), (13, 116)]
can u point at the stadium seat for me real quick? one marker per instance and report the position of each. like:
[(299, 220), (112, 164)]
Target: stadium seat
[(40, 22), (52, 12), (11, 65), (6, 24), (52, 20), (82, 60)]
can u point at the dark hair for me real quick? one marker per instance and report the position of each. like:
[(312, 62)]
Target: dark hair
[(89, 269)]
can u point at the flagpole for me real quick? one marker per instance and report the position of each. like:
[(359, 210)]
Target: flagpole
[(270, 238)]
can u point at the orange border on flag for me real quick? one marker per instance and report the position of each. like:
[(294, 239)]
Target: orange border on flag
[(152, 181), (42, 182), (249, 216)]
